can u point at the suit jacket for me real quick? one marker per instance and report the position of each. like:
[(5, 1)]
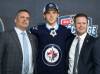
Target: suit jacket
[(11, 52), (89, 59)]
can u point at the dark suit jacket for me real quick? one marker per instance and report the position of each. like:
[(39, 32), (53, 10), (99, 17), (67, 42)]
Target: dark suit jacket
[(89, 59), (11, 53)]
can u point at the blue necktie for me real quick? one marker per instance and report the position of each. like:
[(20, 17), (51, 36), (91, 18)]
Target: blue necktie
[(75, 70), (25, 55)]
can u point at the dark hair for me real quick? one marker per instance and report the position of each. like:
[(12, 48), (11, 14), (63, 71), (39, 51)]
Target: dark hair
[(80, 15), (23, 10)]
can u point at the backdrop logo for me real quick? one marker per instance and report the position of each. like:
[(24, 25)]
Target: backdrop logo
[(67, 21), (1, 25)]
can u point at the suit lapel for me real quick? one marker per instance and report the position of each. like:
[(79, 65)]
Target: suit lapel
[(85, 44), (17, 42), (31, 42), (30, 38)]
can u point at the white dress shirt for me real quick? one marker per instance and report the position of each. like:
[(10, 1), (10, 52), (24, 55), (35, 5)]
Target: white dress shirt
[(56, 26), (20, 37), (72, 51)]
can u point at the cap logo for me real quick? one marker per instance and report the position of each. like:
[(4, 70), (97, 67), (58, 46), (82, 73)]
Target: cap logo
[(51, 5)]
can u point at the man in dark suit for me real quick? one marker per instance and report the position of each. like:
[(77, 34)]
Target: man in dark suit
[(84, 54), (17, 57)]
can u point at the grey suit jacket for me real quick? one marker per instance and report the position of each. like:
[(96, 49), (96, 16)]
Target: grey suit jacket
[(11, 53)]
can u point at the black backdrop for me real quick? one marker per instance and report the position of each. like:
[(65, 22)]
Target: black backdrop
[(8, 9)]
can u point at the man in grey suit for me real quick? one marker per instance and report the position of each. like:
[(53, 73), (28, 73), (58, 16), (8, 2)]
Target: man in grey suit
[(17, 47)]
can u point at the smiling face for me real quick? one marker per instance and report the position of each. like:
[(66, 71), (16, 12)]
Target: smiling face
[(22, 20), (81, 25), (51, 17)]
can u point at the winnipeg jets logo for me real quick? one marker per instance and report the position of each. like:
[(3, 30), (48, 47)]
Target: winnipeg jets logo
[(51, 55)]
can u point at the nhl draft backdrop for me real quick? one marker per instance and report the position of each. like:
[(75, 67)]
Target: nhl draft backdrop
[(67, 20), (8, 9)]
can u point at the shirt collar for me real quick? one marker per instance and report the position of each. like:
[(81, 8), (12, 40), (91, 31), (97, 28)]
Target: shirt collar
[(19, 31), (55, 26), (82, 37)]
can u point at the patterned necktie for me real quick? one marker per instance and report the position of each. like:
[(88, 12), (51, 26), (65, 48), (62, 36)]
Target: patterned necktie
[(76, 56), (25, 55)]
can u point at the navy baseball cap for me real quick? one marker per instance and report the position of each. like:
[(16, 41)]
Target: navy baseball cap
[(49, 7)]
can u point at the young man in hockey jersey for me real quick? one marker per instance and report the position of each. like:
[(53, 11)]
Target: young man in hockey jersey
[(52, 38)]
